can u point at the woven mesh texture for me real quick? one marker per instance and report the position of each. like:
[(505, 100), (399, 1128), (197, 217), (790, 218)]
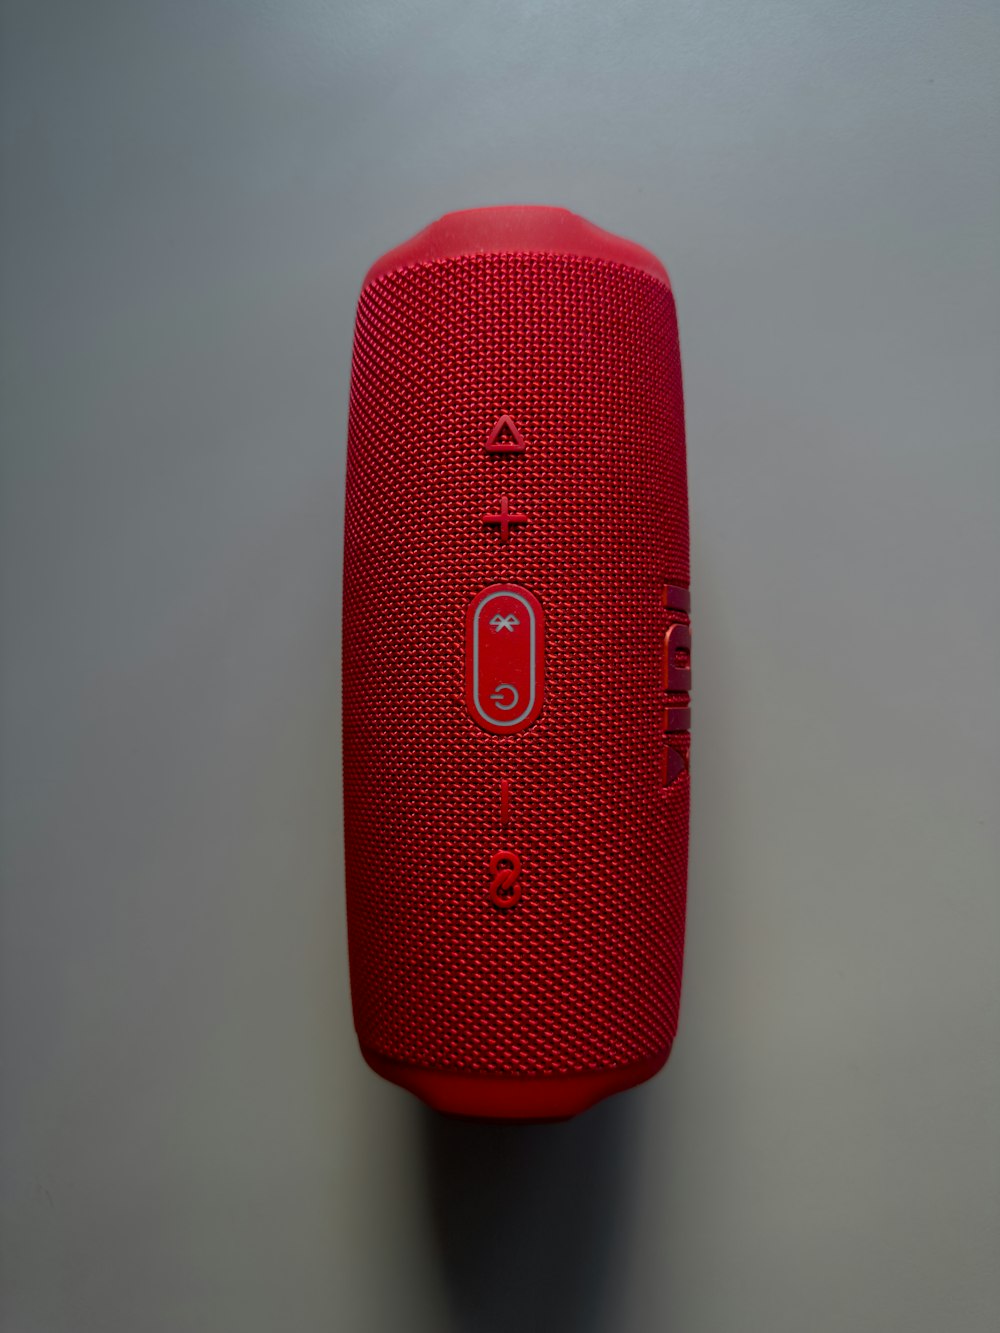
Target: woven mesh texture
[(584, 972)]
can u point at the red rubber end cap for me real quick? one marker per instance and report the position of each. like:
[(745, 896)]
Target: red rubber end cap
[(481, 1097), (512, 228)]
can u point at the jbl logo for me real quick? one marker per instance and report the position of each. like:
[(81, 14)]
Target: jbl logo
[(676, 680)]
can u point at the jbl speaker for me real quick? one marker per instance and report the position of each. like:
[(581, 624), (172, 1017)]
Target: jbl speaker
[(516, 665)]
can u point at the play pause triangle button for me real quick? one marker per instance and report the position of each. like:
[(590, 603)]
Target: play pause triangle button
[(505, 438)]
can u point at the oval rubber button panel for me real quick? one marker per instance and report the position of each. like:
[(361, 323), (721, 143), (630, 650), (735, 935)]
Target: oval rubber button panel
[(504, 658)]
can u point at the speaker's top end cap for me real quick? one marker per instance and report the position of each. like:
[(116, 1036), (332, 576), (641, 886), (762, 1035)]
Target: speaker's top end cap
[(520, 228)]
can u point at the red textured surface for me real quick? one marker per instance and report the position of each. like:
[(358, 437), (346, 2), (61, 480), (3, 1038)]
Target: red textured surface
[(584, 973)]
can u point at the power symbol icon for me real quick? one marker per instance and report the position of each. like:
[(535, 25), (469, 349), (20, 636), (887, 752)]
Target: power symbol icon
[(506, 693)]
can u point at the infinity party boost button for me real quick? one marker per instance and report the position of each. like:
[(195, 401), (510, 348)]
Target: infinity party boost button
[(504, 658)]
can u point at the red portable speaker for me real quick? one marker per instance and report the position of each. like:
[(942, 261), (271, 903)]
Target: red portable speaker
[(516, 665)]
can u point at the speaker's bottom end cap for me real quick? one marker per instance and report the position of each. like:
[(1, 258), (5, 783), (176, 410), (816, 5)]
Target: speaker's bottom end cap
[(532, 1098)]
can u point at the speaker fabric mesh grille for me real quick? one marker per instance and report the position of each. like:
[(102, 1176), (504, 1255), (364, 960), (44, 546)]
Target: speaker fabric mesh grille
[(584, 972)]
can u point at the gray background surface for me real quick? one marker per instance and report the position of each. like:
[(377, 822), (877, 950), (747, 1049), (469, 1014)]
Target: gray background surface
[(191, 193)]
